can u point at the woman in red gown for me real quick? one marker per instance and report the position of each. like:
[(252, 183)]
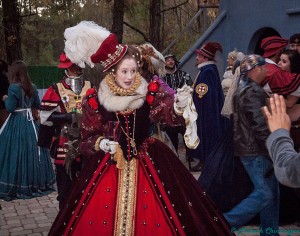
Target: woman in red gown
[(134, 184)]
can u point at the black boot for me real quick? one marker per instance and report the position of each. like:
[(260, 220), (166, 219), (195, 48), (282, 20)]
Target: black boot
[(198, 167)]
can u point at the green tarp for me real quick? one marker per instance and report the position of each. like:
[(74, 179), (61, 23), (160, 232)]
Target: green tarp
[(44, 76)]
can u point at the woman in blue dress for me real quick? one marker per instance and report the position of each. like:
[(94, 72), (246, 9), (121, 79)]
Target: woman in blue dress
[(25, 168)]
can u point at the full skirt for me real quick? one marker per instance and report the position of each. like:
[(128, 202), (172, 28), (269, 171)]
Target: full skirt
[(25, 169), (154, 195)]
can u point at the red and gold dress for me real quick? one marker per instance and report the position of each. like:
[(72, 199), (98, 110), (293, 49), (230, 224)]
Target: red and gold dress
[(151, 192)]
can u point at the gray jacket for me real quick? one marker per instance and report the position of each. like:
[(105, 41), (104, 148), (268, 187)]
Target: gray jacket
[(286, 160)]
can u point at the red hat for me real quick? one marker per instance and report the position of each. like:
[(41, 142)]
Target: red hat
[(209, 50), (64, 62), (272, 45), (109, 53)]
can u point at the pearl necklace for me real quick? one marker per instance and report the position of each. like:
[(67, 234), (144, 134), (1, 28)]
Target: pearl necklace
[(131, 140)]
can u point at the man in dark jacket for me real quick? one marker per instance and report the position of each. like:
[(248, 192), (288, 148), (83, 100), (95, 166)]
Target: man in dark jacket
[(176, 78), (250, 134)]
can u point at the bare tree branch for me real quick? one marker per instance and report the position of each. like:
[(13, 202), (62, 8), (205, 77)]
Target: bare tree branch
[(174, 7), (31, 14), (137, 30), (203, 6)]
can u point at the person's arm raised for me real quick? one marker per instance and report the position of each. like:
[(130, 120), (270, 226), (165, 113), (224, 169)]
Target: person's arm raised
[(277, 116)]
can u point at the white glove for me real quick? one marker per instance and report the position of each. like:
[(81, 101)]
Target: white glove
[(4, 97), (108, 146), (182, 96)]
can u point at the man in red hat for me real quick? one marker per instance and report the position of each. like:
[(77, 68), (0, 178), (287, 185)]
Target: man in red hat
[(60, 120), (208, 98), (278, 80), (272, 46)]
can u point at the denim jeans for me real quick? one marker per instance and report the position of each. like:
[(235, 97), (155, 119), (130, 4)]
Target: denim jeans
[(264, 199)]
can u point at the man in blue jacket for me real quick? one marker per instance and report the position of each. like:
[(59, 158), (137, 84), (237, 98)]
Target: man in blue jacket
[(208, 98)]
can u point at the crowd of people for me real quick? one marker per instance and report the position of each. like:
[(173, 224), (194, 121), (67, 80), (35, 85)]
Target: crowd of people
[(114, 177)]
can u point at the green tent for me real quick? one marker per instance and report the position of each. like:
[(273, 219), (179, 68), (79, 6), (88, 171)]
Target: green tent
[(44, 76)]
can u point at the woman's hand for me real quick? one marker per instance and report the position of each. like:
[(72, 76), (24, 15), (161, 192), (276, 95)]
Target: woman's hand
[(108, 146)]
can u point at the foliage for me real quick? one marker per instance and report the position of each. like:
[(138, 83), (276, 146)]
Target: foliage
[(44, 22)]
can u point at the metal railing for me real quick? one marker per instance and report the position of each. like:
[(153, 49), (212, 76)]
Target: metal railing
[(205, 20)]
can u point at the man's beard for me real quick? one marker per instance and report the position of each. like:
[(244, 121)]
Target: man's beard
[(170, 67)]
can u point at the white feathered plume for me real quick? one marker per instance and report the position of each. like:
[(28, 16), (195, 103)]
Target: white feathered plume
[(153, 58), (83, 40)]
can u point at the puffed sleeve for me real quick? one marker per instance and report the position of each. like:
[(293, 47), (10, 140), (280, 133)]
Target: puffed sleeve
[(162, 110), (284, 83), (14, 96), (92, 125), (50, 99), (49, 104)]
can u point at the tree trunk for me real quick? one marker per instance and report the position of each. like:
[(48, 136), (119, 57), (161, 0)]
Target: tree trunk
[(155, 22), (118, 16), (12, 28)]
